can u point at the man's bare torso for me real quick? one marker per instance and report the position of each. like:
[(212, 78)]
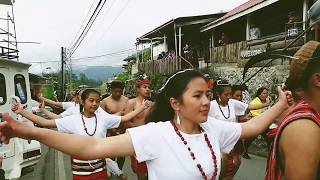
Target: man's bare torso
[(113, 106), (140, 118)]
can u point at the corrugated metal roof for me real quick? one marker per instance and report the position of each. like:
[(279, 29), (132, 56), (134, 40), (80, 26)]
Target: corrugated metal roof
[(251, 5), (240, 8), (181, 20)]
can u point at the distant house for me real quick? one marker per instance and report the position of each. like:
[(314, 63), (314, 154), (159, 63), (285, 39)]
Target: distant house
[(167, 41), (257, 26), (134, 67)]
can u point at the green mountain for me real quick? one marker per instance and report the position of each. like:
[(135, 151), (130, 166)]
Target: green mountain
[(98, 72)]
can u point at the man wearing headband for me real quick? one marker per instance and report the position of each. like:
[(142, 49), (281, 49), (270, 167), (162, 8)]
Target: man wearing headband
[(143, 88), (295, 152)]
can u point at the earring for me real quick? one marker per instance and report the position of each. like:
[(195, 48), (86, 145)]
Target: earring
[(178, 120)]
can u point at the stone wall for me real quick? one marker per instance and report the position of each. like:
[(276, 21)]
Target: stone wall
[(269, 77)]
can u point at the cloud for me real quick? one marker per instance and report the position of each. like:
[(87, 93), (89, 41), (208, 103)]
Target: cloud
[(55, 24)]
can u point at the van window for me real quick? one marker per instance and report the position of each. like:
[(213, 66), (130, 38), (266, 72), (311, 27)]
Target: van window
[(20, 88), (3, 95)]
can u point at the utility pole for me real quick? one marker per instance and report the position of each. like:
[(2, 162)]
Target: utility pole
[(63, 61)]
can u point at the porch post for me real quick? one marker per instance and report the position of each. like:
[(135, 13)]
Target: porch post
[(151, 48), (175, 39), (180, 38), (142, 52), (248, 28), (211, 45), (137, 54), (165, 43)]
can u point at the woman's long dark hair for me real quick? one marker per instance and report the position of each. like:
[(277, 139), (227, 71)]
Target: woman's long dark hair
[(260, 90), (174, 87)]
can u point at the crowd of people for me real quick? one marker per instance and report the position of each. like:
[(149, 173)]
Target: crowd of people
[(190, 132)]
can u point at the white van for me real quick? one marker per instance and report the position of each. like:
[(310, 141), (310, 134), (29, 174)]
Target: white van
[(14, 84)]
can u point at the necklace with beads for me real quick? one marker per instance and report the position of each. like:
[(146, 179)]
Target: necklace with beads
[(214, 158), (86, 129), (226, 117)]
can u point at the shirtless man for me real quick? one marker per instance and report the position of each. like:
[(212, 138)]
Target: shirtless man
[(116, 103), (144, 92), (295, 153)]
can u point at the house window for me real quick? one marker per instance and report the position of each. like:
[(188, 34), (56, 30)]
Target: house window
[(3, 94), (20, 88)]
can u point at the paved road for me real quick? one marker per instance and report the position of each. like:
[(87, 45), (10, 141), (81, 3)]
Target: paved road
[(54, 165), (252, 169)]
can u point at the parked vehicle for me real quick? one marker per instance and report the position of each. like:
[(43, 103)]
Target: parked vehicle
[(14, 86)]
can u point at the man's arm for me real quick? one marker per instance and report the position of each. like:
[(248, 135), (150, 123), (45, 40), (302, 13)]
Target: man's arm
[(300, 149), (129, 108)]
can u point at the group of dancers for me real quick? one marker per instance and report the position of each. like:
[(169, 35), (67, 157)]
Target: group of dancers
[(183, 134)]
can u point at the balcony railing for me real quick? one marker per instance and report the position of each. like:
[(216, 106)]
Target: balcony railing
[(164, 66), (228, 53)]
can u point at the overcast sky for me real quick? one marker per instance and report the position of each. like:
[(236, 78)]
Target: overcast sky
[(55, 23)]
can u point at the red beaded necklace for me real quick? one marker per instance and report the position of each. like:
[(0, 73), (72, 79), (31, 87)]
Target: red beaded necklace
[(214, 158)]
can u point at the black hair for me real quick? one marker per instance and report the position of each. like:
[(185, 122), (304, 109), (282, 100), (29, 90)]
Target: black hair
[(220, 87), (235, 88), (116, 84), (260, 90), (85, 94), (174, 87), (241, 87)]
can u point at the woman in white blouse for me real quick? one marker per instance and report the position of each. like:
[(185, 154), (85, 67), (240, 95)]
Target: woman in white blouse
[(184, 143)]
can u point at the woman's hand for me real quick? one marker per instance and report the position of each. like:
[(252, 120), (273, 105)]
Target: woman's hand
[(12, 128), (17, 108), (42, 105), (40, 96), (285, 98)]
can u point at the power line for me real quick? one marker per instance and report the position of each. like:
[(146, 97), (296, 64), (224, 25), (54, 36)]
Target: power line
[(88, 26), (89, 21), (119, 52), (82, 24), (115, 19), (108, 54)]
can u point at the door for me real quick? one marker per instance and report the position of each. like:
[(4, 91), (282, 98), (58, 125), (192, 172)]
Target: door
[(5, 89)]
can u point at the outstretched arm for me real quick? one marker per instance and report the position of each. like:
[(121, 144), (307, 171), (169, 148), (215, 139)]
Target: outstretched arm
[(80, 147), (257, 106), (18, 109), (49, 114), (145, 104), (50, 102), (258, 124)]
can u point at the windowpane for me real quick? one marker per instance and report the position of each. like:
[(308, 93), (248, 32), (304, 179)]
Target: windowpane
[(3, 95), (20, 88)]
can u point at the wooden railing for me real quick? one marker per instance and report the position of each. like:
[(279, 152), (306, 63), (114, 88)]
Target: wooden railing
[(228, 53), (231, 53), (163, 66)]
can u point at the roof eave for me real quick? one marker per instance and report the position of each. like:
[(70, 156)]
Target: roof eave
[(219, 22)]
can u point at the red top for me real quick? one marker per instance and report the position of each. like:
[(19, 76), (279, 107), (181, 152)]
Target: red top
[(301, 111)]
